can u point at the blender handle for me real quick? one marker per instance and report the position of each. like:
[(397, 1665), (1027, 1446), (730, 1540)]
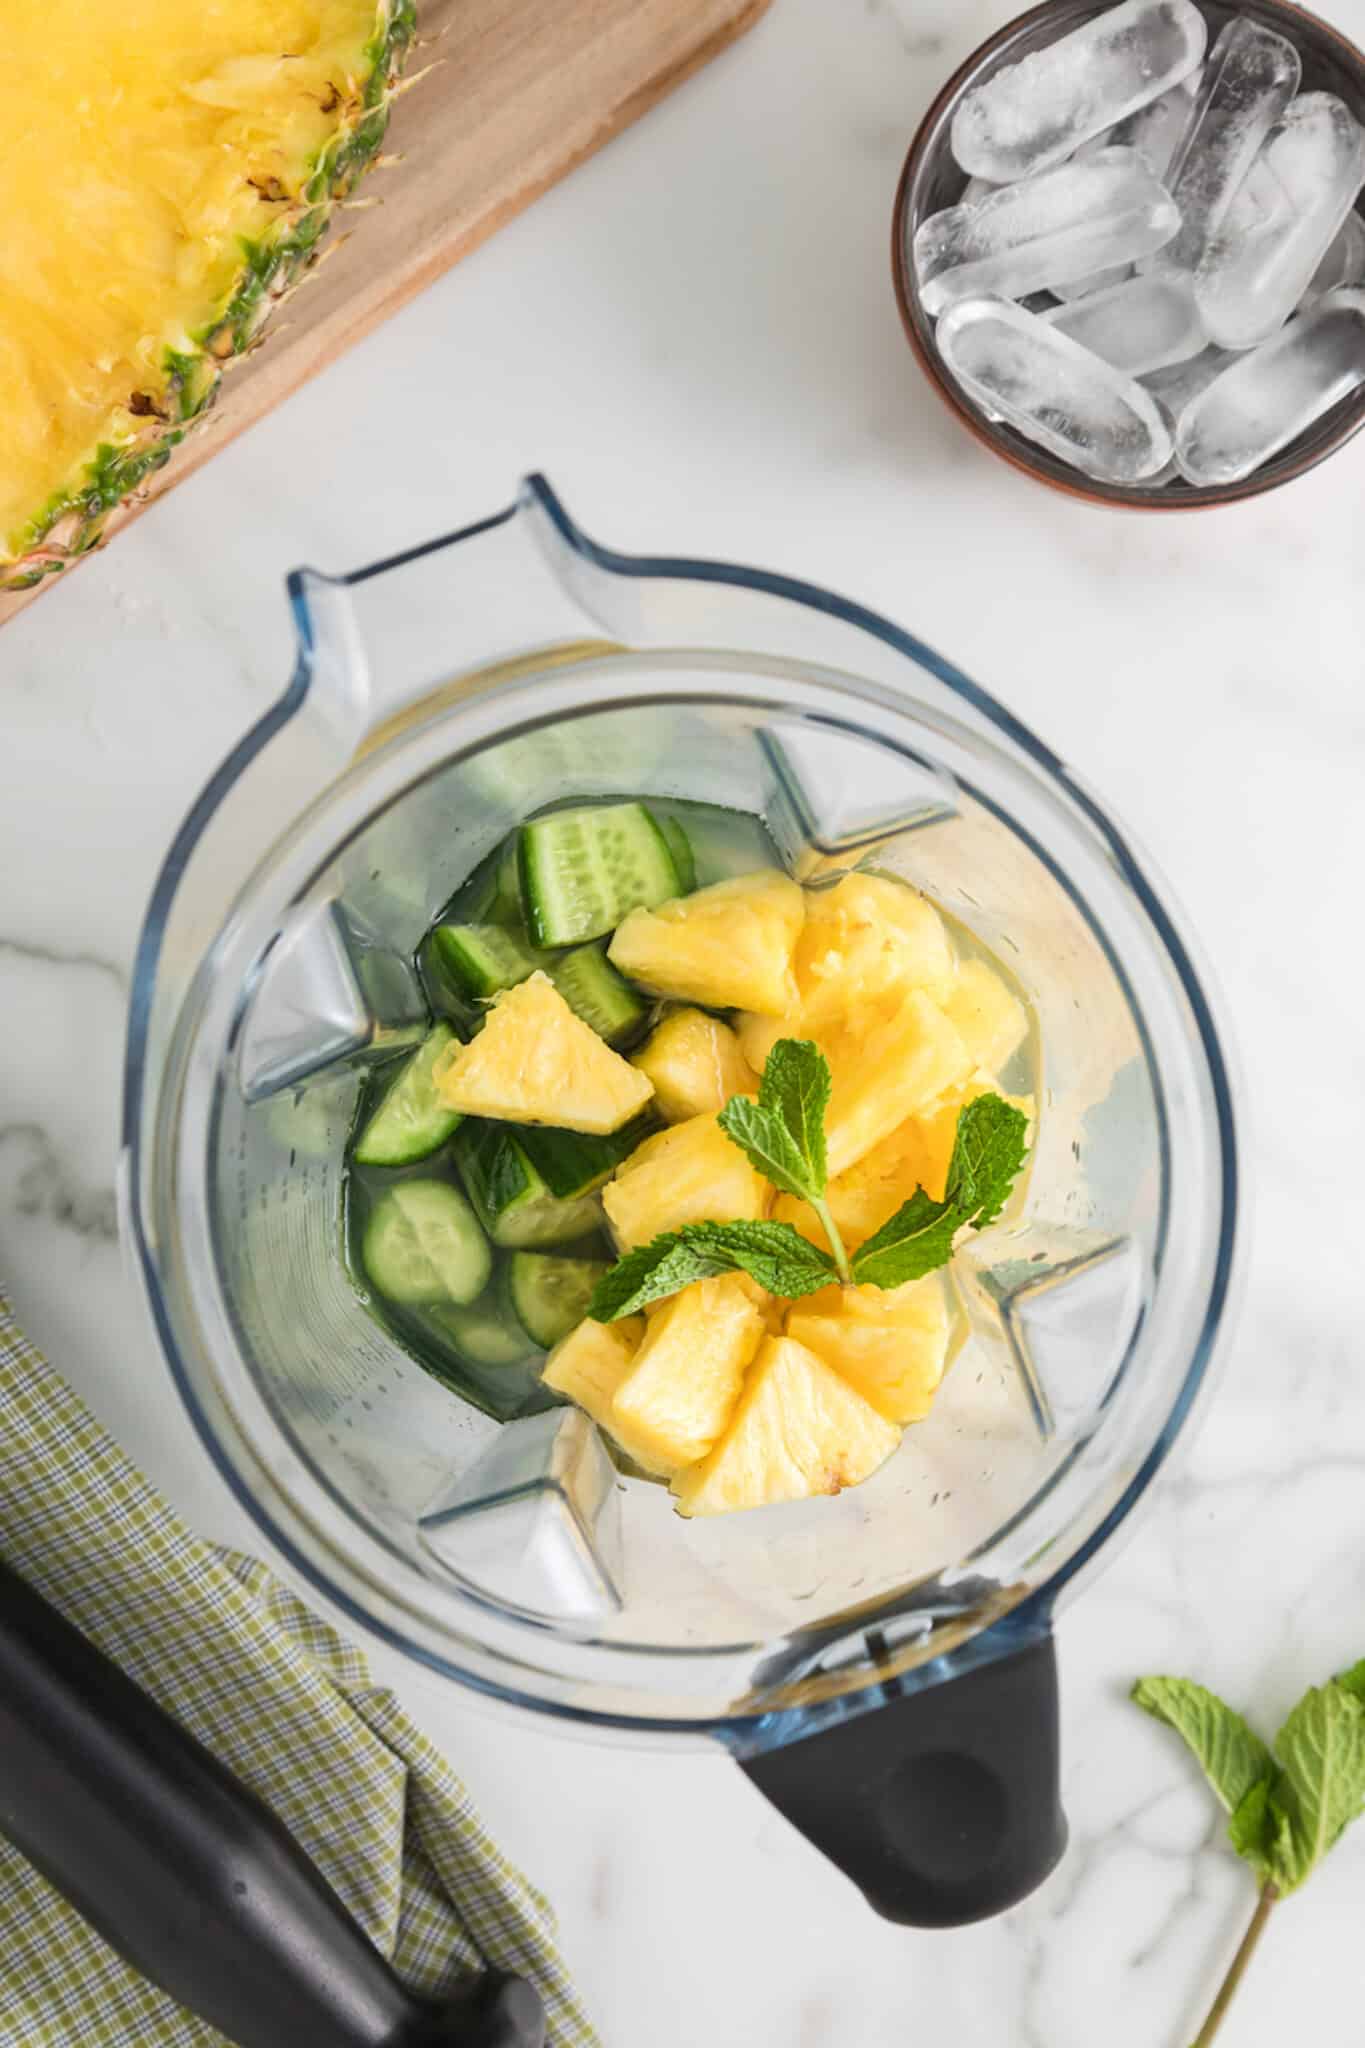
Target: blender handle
[(942, 1804), (188, 1875)]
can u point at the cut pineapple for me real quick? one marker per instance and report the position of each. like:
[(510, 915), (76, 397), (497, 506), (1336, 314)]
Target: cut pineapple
[(727, 947), (535, 1062), (888, 1343), (872, 1190), (758, 1035), (989, 1020), (695, 1064), (799, 1430), (689, 1174), (865, 936), (891, 1059), (168, 172), (684, 1383), (588, 1367)]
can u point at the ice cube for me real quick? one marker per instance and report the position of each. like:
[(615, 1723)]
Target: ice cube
[(1249, 80), (1051, 229), (1181, 383), (1098, 281), (1138, 326), (1031, 115), (1248, 284), (1268, 396), (1025, 371), (1344, 262), (1155, 129)]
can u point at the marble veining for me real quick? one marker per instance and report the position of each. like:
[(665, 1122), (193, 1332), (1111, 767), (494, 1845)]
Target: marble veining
[(716, 367)]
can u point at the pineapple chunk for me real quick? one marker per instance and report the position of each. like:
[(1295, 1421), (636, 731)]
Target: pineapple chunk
[(688, 1174), (695, 1064), (864, 936), (728, 947), (989, 1020), (682, 1388), (590, 1364), (758, 1035), (535, 1062), (799, 1430), (890, 1344), (889, 1061), (863, 1198)]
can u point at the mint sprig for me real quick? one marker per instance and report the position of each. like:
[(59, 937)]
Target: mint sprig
[(783, 1135), (1288, 1804)]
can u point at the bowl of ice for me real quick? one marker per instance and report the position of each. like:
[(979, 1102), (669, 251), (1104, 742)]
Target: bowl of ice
[(1129, 247)]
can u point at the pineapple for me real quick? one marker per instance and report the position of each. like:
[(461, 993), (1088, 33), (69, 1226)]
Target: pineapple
[(989, 1020), (890, 1059), (588, 1367), (799, 1430), (535, 1062), (758, 1035), (689, 1174), (869, 1192), (726, 947), (685, 1380), (695, 1064), (890, 1344), (168, 172), (865, 936)]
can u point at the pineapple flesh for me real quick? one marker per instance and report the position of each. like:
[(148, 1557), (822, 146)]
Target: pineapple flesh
[(888, 1061), (890, 1344), (686, 1376), (863, 937), (726, 947), (799, 1430), (695, 1064), (589, 1365), (535, 1062), (691, 1173), (168, 171)]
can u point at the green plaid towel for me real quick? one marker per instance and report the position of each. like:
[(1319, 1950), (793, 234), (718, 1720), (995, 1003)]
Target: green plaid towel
[(278, 1696)]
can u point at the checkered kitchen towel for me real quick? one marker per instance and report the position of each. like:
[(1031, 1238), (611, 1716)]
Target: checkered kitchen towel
[(276, 1694)]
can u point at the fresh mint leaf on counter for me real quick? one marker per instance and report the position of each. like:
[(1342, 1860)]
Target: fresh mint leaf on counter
[(1288, 1804)]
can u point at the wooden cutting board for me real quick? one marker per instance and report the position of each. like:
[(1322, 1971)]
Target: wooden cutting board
[(518, 92)]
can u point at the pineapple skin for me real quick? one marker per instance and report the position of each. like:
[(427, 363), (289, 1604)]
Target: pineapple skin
[(71, 522)]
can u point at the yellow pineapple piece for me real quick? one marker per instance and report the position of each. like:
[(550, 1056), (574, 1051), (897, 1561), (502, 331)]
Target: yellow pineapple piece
[(688, 1174), (695, 1064), (799, 1430), (890, 1344), (861, 1199), (686, 1376), (758, 1035), (935, 1129), (589, 1365), (990, 1021), (866, 935), (728, 947), (891, 1059), (535, 1062)]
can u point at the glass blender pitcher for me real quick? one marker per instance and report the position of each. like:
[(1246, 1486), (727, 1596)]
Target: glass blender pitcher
[(880, 1664)]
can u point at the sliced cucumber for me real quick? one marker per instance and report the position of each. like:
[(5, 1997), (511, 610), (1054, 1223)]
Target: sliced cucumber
[(486, 1332), (551, 1295), (593, 989), (582, 870), (411, 1120), (680, 846), (423, 1243), (573, 1163), (480, 960), (515, 1203)]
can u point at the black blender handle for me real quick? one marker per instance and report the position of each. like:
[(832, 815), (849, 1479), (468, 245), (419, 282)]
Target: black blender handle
[(188, 1875), (942, 1804)]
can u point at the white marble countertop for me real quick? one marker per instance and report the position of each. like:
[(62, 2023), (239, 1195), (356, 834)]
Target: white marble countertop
[(695, 337)]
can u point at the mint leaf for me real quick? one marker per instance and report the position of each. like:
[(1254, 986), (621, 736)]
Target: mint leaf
[(913, 1242), (1321, 1786), (1232, 1756), (767, 1144), (1353, 1680), (1254, 1827), (777, 1256), (988, 1151), (664, 1266), (796, 1087)]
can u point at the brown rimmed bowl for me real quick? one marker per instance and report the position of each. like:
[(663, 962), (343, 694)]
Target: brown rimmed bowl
[(932, 179)]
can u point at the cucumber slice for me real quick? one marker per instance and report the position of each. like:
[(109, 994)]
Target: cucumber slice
[(573, 1163), (480, 960), (593, 989), (423, 1243), (486, 1332), (551, 1295), (516, 1204), (680, 846), (582, 870), (411, 1120)]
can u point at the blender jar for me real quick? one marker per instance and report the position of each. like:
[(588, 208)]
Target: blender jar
[(880, 1663)]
